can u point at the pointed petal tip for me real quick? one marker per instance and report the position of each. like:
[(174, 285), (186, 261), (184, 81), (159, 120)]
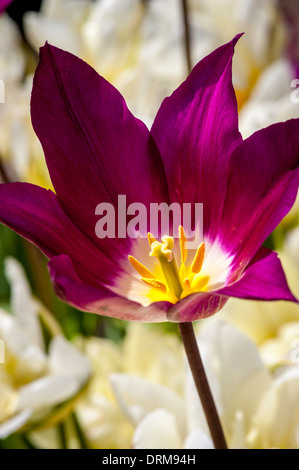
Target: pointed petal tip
[(44, 47), (237, 37), (234, 41)]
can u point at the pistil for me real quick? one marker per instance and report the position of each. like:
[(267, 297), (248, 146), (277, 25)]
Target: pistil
[(163, 252)]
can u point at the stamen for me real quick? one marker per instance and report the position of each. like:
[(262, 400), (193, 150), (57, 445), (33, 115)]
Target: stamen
[(140, 268), (156, 284), (183, 248), (151, 239), (177, 283), (198, 259)]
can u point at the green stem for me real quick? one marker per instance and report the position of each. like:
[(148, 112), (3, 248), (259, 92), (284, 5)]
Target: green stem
[(187, 34), (79, 431), (62, 435), (28, 443), (39, 273), (3, 174), (202, 385)]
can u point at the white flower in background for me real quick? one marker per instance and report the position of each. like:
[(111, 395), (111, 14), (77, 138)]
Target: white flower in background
[(12, 61), (59, 22), (12, 69), (142, 395), (257, 409), (20, 149), (166, 419), (139, 45), (32, 380), (262, 42), (145, 353), (272, 99), (283, 347), (276, 423), (274, 326), (262, 320)]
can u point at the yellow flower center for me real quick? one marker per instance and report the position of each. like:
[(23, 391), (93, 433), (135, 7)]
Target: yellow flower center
[(172, 283)]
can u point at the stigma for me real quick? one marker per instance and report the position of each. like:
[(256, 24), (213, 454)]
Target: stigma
[(170, 280)]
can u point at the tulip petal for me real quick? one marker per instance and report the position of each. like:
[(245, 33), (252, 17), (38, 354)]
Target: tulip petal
[(198, 440), (264, 279), (37, 215), (138, 397), (196, 306), (23, 305), (276, 422), (261, 189), (196, 130), (47, 391), (11, 425), (95, 148), (248, 378), (158, 430), (69, 287), (67, 360)]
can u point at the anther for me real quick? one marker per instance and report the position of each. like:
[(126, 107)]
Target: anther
[(198, 259), (183, 248), (140, 268), (156, 284)]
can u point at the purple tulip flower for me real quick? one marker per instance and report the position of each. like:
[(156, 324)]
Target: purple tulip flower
[(97, 150)]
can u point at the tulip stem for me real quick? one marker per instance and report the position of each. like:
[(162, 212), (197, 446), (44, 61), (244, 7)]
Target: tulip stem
[(3, 175), (80, 434), (62, 435), (187, 34), (202, 385)]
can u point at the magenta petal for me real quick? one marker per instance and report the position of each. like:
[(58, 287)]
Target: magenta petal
[(262, 187), (69, 287), (196, 307), (264, 279), (196, 130), (36, 214), (95, 148), (4, 4)]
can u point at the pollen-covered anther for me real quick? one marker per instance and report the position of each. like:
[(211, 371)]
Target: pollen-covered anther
[(140, 268), (198, 259), (156, 284), (183, 249)]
